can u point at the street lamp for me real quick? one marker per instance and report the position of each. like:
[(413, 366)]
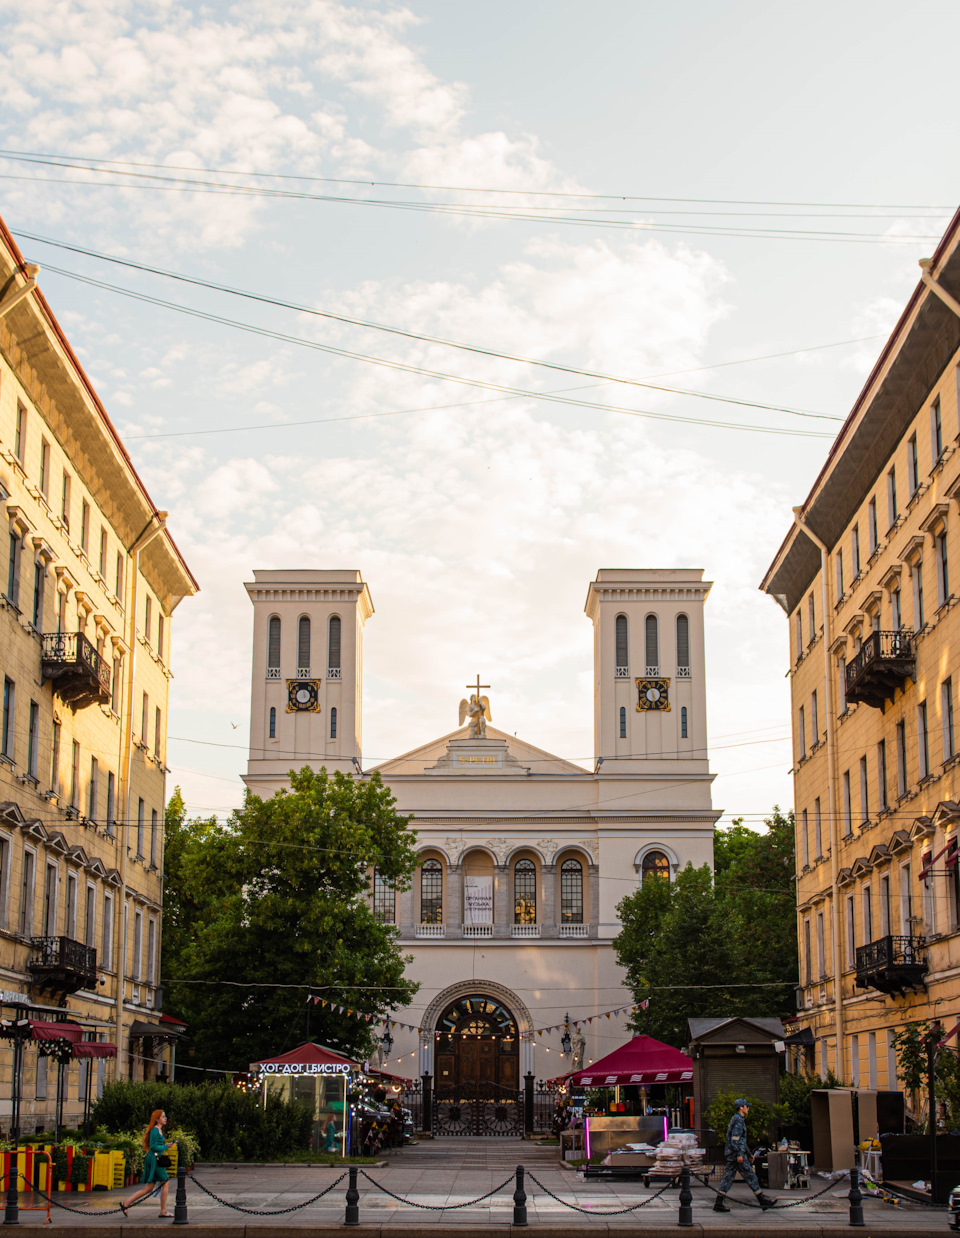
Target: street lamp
[(565, 1038), (386, 1041)]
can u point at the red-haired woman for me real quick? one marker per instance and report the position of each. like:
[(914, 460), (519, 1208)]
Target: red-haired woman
[(155, 1146)]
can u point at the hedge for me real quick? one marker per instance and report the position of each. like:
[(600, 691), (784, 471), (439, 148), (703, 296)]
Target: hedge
[(229, 1125)]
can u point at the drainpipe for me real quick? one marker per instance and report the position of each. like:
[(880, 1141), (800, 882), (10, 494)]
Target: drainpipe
[(154, 526), (925, 276), (831, 783), (14, 298)]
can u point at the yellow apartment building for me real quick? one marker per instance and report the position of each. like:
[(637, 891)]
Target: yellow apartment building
[(90, 581), (869, 575)]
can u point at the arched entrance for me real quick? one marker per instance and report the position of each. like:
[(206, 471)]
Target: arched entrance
[(477, 1057)]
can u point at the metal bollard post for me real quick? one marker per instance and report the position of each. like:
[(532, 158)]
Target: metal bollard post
[(856, 1199), (12, 1214), (180, 1207), (685, 1219), (352, 1215), (519, 1200)]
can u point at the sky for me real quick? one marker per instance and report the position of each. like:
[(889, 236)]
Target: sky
[(727, 199)]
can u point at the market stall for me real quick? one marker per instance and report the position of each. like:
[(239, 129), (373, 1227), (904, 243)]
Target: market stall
[(317, 1075)]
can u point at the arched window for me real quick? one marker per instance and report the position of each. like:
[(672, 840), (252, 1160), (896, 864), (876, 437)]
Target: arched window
[(571, 892), (303, 647), (384, 897), (333, 723), (273, 723), (623, 647), (683, 646), (525, 892), (654, 864), (623, 722), (431, 893), (273, 648), (683, 722), (652, 645), (333, 648)]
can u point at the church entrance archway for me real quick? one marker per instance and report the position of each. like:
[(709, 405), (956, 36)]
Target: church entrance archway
[(477, 1055)]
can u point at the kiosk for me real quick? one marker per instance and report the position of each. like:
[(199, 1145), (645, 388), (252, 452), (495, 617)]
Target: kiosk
[(314, 1074)]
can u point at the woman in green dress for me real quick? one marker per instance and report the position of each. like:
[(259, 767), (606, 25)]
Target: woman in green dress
[(155, 1146)]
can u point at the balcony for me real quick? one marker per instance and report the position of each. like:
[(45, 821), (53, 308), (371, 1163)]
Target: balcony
[(892, 965), (80, 676), (573, 930), (430, 930), (478, 930), (883, 663), (525, 930), (61, 965)]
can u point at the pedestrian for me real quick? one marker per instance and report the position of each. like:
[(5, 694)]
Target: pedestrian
[(739, 1160), (330, 1136), (154, 1171)]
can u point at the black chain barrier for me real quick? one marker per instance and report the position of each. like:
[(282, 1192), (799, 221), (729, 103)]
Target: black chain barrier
[(434, 1207), (267, 1212), (592, 1212), (88, 1212), (780, 1205)]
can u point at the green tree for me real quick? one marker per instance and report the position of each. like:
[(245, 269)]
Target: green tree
[(271, 902), (911, 1049)]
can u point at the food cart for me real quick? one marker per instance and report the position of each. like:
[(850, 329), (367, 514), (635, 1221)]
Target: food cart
[(314, 1074)]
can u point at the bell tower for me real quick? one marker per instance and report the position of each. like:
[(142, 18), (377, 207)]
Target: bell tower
[(307, 673), (649, 697)]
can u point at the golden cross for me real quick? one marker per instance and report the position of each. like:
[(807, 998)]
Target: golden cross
[(477, 686)]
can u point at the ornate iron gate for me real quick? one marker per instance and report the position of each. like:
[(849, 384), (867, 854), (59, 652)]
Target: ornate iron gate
[(484, 1110)]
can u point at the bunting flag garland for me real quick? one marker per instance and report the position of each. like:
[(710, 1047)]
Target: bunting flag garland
[(410, 1027)]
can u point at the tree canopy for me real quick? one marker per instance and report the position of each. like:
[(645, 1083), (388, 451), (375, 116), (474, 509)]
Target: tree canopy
[(715, 944), (271, 904)]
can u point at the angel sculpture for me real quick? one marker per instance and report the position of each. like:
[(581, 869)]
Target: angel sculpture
[(477, 709)]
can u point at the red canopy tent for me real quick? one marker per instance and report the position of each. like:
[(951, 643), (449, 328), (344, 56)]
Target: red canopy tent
[(307, 1055), (642, 1061)]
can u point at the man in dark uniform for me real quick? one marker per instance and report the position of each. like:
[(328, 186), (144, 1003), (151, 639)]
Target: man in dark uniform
[(739, 1160)]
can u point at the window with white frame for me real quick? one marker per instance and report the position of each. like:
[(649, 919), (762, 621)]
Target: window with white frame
[(855, 550), (28, 892), (896, 613), (916, 577), (154, 836), (151, 951), (923, 751), (811, 617), (106, 949), (90, 919), (847, 813), (807, 955), (33, 741), (137, 945), (801, 732), (913, 474), (141, 820), (838, 562), (804, 839), (50, 900), (866, 914), (9, 717), (884, 906), (872, 539), (892, 512), (851, 932), (900, 734), (906, 901), (946, 718), (817, 829), (73, 886), (842, 684), (943, 573), (6, 853), (864, 792), (936, 431), (821, 948), (882, 774), (814, 720)]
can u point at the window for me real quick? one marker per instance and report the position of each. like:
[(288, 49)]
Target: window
[(94, 780), (4, 882), (27, 893), (45, 468), (814, 720), (943, 575), (866, 910), (333, 722), (913, 477), (85, 527), (303, 645), (936, 431), (111, 800), (821, 948), (652, 642), (384, 898), (812, 617), (622, 643), (13, 569), (144, 718), (623, 722), (842, 684), (571, 892), (807, 954), (103, 553), (864, 793), (116, 686), (273, 648), (55, 760), (157, 731), (525, 892), (9, 717), (61, 612), (901, 741), (855, 1060), (36, 614), (916, 574), (847, 819), (33, 741), (654, 864), (20, 442), (141, 815), (839, 567), (154, 836), (161, 632), (946, 718), (882, 774), (106, 951), (90, 920), (119, 578), (799, 633), (41, 1089), (151, 951), (683, 643), (137, 971), (65, 500), (906, 901), (923, 752), (75, 776), (683, 722), (804, 839), (147, 617), (817, 829), (872, 538), (333, 646), (851, 932), (895, 611), (71, 925), (273, 723), (431, 893), (884, 906), (802, 732), (855, 550), (892, 512), (50, 901)]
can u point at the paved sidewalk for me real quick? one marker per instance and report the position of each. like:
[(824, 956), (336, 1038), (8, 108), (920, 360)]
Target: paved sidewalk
[(445, 1174)]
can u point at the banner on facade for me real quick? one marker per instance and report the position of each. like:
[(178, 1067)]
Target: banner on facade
[(478, 900)]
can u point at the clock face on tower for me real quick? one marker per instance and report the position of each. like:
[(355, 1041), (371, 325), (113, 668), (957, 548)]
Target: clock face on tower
[(303, 696), (653, 694)]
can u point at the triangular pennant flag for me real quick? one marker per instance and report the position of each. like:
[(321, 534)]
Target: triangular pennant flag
[(608, 1014)]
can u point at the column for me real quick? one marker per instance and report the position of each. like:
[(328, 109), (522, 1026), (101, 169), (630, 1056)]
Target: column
[(454, 906), (594, 887), (502, 910), (405, 911), (548, 916)]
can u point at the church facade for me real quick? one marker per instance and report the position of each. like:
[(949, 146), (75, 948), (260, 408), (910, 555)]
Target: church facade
[(524, 855)]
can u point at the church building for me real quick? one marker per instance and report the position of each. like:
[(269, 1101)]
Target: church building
[(524, 855)]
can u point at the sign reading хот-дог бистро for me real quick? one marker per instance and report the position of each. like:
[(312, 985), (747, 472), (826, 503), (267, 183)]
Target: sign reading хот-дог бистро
[(305, 1068)]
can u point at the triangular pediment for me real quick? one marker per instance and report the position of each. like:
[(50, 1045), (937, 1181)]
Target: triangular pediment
[(899, 840), (419, 760), (97, 867), (860, 866), (11, 813), (946, 813), (880, 854), (922, 827)]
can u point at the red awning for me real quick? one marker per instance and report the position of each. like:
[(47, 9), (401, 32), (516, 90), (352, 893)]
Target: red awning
[(94, 1048), (643, 1061), (386, 1075), (308, 1055), (56, 1031)]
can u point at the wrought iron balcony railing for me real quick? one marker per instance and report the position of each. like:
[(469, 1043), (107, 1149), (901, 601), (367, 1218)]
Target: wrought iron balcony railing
[(882, 664), (892, 964), (80, 675), (62, 965)]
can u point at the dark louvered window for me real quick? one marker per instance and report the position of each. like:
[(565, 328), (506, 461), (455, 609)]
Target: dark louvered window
[(623, 647), (652, 643), (623, 722), (683, 641), (303, 643), (273, 644), (333, 644)]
